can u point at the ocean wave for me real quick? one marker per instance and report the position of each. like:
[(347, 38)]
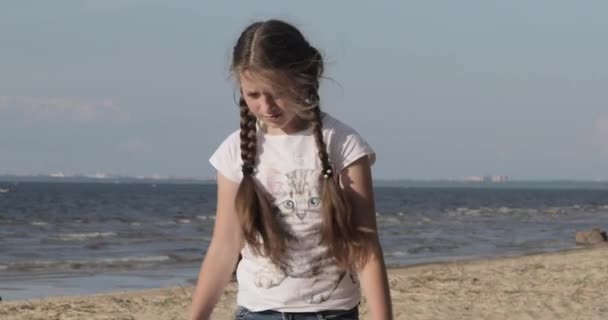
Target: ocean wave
[(41, 220), (187, 257), (503, 211), (397, 254), (81, 236), (99, 263), (174, 221), (97, 245), (142, 234)]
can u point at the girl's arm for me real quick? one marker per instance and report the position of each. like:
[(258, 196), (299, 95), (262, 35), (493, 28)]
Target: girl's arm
[(222, 254), (357, 183)]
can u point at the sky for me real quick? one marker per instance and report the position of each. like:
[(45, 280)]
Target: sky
[(440, 89)]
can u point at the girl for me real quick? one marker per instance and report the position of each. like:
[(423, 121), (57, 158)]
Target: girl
[(295, 195)]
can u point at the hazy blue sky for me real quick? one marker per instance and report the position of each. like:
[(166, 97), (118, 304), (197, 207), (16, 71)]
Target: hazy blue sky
[(441, 89)]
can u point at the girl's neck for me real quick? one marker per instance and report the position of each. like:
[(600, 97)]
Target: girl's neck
[(295, 126)]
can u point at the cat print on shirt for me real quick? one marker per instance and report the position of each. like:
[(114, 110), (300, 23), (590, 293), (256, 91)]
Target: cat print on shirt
[(297, 203)]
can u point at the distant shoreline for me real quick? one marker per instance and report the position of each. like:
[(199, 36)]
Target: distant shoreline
[(11, 179), (6, 180)]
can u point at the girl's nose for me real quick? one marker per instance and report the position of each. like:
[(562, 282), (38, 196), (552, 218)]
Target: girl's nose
[(268, 102)]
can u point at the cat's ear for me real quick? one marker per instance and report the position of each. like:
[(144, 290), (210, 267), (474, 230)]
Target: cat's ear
[(275, 182)]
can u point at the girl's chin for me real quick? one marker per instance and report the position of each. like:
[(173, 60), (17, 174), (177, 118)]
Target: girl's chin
[(279, 125), (277, 121), (272, 124)]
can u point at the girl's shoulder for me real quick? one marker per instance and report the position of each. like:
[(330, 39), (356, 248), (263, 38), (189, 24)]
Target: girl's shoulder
[(333, 125), (345, 143), (232, 138), (227, 157)]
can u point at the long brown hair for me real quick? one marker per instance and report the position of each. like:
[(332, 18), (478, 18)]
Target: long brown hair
[(277, 46)]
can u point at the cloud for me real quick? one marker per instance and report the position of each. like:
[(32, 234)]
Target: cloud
[(601, 133), (51, 108)]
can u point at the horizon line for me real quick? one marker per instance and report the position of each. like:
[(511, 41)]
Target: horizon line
[(159, 178)]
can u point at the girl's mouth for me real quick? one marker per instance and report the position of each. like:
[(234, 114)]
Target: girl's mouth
[(273, 116)]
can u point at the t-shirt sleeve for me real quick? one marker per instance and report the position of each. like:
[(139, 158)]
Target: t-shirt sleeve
[(227, 158), (349, 146)]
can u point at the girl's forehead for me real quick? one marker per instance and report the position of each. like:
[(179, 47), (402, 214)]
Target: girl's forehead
[(263, 80)]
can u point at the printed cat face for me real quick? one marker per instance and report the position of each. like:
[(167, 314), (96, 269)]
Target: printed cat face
[(297, 195), (299, 205)]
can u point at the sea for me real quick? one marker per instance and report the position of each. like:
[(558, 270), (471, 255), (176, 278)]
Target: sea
[(75, 238)]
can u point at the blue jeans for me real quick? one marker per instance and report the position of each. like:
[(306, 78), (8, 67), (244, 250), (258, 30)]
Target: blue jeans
[(245, 314)]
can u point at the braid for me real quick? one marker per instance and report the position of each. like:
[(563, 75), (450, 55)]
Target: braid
[(261, 230), (317, 127), (338, 225), (248, 138)]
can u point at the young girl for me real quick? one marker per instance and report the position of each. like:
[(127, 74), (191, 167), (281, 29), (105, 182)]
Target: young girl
[(295, 195)]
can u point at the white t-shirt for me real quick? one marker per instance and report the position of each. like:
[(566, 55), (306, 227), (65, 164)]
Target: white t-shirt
[(288, 167)]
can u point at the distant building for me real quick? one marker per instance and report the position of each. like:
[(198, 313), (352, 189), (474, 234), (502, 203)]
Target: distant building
[(492, 179), (57, 175), (499, 179), (97, 176)]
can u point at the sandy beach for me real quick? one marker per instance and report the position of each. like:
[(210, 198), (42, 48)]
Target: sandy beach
[(563, 285)]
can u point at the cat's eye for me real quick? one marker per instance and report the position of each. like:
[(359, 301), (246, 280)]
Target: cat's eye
[(288, 204), (313, 202)]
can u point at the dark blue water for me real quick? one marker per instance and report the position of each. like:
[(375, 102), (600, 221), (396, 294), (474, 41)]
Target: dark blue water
[(68, 238)]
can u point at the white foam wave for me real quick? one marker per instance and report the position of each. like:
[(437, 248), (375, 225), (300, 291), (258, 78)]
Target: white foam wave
[(82, 236), (398, 254), (144, 259)]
